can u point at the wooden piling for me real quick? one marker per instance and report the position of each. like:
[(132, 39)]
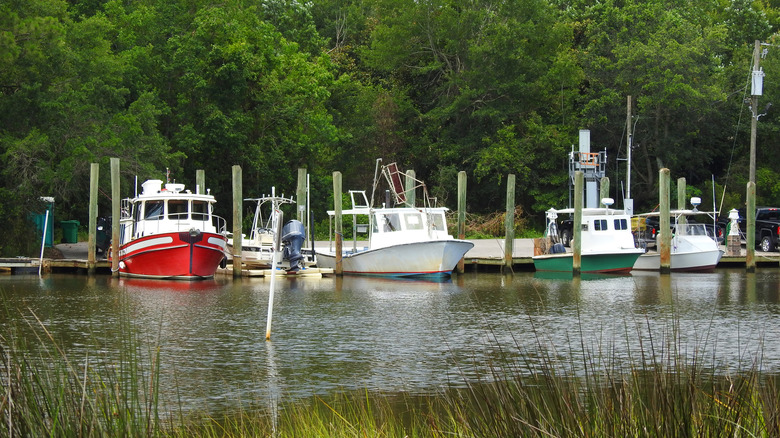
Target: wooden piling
[(604, 190), (339, 270), (200, 181), (461, 214), (750, 238), (116, 205), (509, 223), (237, 220), (300, 196), (576, 262), (409, 190), (681, 199), (94, 173), (665, 232)]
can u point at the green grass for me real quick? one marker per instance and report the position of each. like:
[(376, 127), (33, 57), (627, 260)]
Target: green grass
[(46, 392)]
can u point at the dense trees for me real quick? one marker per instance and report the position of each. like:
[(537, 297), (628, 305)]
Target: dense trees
[(486, 86)]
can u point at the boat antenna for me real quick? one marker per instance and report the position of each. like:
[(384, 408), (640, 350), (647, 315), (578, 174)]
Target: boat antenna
[(376, 181)]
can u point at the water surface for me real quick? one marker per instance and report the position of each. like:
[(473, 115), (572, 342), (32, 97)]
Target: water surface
[(336, 334)]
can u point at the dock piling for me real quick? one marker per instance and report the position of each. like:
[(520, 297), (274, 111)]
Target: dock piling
[(576, 262), (665, 232), (237, 220), (509, 224), (750, 238), (339, 226), (116, 202), (94, 173), (461, 215)]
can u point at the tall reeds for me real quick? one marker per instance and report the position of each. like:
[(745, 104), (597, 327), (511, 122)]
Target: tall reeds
[(659, 393), (46, 392)]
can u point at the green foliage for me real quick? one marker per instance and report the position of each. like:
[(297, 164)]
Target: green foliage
[(486, 87)]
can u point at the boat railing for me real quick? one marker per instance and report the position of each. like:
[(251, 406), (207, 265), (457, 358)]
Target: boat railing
[(126, 208)]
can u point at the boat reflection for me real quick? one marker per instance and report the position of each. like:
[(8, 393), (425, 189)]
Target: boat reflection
[(391, 284), (568, 276), (147, 284)]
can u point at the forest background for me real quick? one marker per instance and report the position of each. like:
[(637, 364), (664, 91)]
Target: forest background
[(490, 87)]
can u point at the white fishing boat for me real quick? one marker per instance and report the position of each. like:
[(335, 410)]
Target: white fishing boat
[(607, 243), (257, 249), (401, 241), (693, 245)]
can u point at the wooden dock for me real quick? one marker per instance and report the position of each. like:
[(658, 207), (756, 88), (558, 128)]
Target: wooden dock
[(487, 254)]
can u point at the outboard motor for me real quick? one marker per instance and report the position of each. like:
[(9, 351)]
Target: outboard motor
[(293, 235), (103, 234)]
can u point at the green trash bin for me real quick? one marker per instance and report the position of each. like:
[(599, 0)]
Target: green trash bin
[(70, 231)]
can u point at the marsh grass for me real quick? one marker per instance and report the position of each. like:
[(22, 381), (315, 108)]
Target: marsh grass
[(46, 392)]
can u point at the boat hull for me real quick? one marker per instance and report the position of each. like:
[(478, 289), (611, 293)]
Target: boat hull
[(174, 255), (428, 258), (616, 262), (681, 261)]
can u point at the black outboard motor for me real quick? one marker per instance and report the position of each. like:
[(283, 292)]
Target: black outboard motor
[(103, 234), (293, 235)]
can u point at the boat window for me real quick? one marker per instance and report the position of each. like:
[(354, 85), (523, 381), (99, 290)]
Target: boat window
[(600, 225), (413, 221), (390, 221), (438, 222), (621, 224), (200, 209), (177, 209), (153, 210)]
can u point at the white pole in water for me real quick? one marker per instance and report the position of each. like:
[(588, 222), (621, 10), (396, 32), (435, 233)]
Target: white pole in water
[(43, 241), (276, 229)]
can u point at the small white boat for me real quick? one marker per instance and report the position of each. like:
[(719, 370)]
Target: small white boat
[(607, 243), (402, 241), (170, 233), (693, 248), (257, 250)]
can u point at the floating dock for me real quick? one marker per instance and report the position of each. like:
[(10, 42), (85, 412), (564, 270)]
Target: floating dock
[(303, 273)]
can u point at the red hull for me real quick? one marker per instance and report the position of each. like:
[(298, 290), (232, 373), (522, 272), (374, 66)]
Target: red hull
[(173, 255)]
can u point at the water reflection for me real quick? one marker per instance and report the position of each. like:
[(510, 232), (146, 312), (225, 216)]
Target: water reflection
[(335, 334)]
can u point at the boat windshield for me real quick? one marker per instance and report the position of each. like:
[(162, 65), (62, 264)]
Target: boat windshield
[(200, 210), (413, 221), (438, 221), (177, 209), (153, 210), (692, 230), (388, 221)]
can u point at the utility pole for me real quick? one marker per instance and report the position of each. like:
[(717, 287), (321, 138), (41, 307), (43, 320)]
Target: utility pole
[(755, 91)]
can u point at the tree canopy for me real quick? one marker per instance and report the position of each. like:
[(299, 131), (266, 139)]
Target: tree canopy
[(489, 87)]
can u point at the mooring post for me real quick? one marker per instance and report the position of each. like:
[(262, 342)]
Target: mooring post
[(116, 205), (461, 214), (665, 232), (681, 199), (750, 238), (300, 196), (237, 220), (94, 173), (509, 226), (339, 226), (409, 190), (200, 181), (576, 261), (604, 190)]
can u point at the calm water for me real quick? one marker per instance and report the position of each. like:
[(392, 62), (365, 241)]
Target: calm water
[(335, 334)]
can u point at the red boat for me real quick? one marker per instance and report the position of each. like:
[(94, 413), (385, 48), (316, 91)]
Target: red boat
[(170, 233)]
